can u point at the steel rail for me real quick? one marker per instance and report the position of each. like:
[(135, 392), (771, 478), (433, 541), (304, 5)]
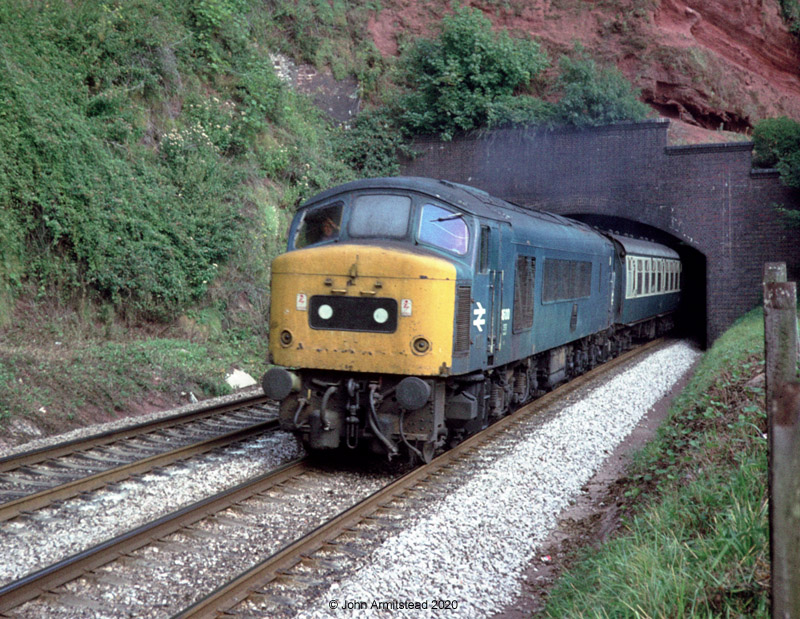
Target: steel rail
[(228, 595), (33, 585), (36, 456), (98, 480)]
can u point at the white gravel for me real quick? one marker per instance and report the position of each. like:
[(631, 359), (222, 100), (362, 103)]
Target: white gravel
[(472, 547)]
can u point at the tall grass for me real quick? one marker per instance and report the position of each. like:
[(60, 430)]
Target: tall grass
[(696, 543)]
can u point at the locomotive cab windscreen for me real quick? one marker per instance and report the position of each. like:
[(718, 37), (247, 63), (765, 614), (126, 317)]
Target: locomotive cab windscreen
[(318, 225), (384, 216)]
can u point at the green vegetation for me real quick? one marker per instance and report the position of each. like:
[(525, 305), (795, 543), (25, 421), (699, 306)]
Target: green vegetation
[(455, 80), (790, 9), (777, 145), (108, 376), (149, 161), (696, 540), (129, 135), (593, 95), (470, 77), (372, 143)]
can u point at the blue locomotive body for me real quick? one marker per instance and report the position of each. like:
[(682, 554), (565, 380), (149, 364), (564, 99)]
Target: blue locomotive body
[(472, 305), (539, 281)]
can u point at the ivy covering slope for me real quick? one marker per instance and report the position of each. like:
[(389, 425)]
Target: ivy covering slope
[(131, 135)]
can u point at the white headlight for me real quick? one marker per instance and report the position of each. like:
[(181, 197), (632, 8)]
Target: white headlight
[(380, 315)]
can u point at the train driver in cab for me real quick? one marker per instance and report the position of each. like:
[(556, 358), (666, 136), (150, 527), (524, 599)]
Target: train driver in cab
[(329, 230), (319, 225)]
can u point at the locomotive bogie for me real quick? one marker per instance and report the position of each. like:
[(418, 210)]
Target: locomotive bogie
[(342, 409)]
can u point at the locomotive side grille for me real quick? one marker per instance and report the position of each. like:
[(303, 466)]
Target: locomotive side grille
[(566, 279), (523, 293), (463, 314)]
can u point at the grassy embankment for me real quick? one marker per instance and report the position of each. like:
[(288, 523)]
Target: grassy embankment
[(695, 542)]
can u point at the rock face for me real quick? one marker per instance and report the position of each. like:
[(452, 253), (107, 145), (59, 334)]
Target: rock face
[(712, 64)]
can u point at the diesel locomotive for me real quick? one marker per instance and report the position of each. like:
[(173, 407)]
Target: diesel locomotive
[(410, 312)]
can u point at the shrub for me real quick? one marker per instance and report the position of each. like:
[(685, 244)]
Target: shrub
[(776, 140), (372, 143), (11, 270), (98, 211), (592, 95), (790, 9), (777, 145), (456, 79), (520, 110)]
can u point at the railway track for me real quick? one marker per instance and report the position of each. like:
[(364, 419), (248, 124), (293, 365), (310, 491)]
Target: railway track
[(191, 538), (47, 579), (35, 479), (278, 566), (177, 533)]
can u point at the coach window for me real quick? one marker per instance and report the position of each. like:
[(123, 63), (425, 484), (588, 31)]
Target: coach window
[(630, 281), (318, 225), (443, 228), (652, 275), (647, 276), (639, 277), (660, 264)]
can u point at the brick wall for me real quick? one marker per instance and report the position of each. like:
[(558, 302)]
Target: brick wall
[(706, 199)]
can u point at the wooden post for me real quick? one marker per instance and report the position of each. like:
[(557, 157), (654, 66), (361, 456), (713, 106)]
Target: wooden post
[(783, 418)]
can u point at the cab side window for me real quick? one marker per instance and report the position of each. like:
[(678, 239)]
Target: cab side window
[(319, 225)]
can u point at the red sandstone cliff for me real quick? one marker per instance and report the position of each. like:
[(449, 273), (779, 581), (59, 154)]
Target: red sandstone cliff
[(712, 64)]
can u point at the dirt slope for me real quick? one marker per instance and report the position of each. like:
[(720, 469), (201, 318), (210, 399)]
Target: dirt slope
[(712, 64)]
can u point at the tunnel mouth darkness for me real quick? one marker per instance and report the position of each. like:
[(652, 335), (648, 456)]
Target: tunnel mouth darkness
[(692, 316)]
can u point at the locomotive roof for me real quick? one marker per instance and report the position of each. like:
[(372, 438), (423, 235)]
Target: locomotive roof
[(471, 199)]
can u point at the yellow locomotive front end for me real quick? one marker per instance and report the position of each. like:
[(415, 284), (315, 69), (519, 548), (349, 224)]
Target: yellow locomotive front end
[(361, 335), (362, 308)]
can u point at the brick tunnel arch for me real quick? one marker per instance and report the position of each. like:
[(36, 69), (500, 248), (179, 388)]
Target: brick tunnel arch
[(706, 195), (693, 313)]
